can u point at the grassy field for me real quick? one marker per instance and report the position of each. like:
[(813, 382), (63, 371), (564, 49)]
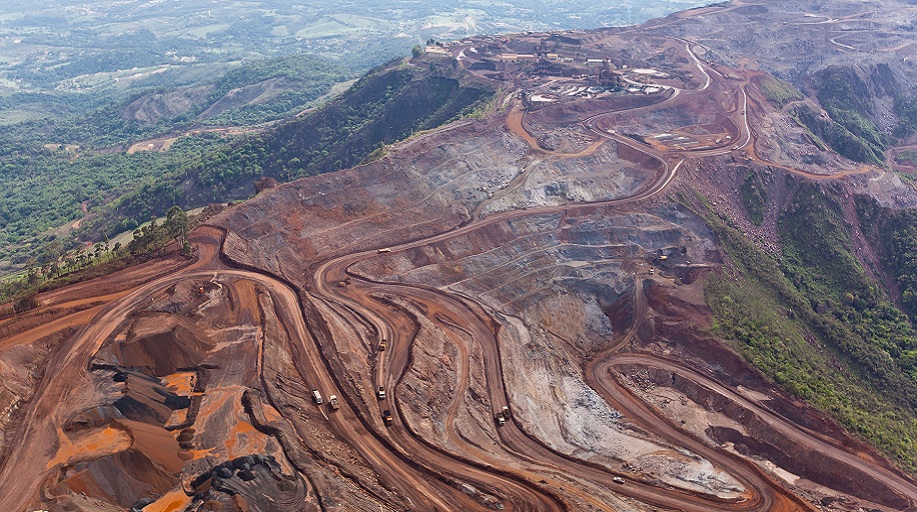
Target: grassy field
[(208, 29), (326, 29)]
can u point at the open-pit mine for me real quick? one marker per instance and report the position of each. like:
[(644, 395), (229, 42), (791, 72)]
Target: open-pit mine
[(505, 313)]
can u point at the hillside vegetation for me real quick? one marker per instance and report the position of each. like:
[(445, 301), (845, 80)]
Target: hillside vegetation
[(48, 187), (847, 128), (894, 233), (811, 308), (754, 197), (266, 90), (839, 137), (778, 92), (54, 168), (250, 93), (383, 107)]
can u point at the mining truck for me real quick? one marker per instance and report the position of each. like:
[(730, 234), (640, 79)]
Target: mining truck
[(333, 402), (317, 396)]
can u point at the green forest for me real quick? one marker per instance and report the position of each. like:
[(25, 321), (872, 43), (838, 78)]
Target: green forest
[(55, 168), (46, 190), (287, 85), (383, 107), (50, 187)]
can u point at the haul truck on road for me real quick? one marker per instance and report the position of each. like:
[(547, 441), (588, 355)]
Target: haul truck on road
[(317, 396), (333, 402), (502, 416)]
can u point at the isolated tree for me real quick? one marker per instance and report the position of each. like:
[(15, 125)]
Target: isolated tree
[(68, 262), (51, 251), (25, 303), (32, 278), (176, 224)]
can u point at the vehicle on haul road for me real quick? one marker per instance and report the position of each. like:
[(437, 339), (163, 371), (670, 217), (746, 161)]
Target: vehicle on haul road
[(381, 393), (382, 345), (505, 411), (387, 418), (501, 420), (317, 396), (333, 402), (385, 249)]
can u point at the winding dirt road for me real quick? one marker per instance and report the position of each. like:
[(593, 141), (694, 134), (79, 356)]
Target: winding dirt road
[(358, 296), (526, 475)]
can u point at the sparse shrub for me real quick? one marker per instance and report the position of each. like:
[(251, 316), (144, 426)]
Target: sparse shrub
[(25, 303), (754, 197)]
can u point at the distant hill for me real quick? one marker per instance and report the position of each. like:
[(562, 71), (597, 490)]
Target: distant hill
[(386, 105), (80, 84), (250, 93)]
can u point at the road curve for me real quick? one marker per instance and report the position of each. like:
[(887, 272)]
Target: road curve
[(426, 475), (903, 487), (766, 497), (357, 296)]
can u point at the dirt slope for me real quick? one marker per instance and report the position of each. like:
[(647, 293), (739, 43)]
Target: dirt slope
[(509, 312)]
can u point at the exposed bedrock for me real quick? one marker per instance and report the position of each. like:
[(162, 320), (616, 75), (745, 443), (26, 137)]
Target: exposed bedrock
[(755, 436)]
